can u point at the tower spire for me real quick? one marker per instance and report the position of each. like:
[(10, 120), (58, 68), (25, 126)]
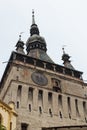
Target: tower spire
[(34, 28), (33, 17), (36, 44)]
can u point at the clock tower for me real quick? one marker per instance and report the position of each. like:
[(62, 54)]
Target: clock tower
[(47, 96)]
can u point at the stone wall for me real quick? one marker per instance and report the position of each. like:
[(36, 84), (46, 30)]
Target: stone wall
[(41, 106)]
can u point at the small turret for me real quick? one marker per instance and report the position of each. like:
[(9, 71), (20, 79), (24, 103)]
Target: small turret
[(67, 62), (20, 45)]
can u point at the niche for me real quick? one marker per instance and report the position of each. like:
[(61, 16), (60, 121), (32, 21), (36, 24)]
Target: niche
[(56, 84)]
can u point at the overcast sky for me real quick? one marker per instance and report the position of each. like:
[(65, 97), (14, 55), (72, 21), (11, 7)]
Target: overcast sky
[(61, 22)]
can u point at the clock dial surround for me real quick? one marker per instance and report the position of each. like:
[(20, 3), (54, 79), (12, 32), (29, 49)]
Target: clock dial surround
[(39, 78)]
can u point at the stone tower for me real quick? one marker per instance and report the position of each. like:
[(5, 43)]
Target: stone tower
[(46, 95)]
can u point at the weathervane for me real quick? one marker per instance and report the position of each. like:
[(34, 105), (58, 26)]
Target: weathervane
[(20, 35), (33, 19), (32, 11), (63, 48)]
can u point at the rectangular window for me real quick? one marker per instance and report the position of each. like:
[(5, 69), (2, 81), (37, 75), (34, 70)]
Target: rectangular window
[(24, 126), (69, 106), (19, 91), (60, 114), (29, 107), (77, 109), (30, 93), (50, 112), (17, 104), (40, 110), (40, 95), (50, 97), (60, 101), (84, 108), (0, 119), (10, 125)]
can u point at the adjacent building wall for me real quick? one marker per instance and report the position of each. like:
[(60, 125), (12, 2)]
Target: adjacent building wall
[(7, 116)]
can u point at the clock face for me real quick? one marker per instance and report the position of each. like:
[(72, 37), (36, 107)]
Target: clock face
[(39, 78)]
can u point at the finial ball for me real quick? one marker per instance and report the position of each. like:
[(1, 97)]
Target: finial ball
[(33, 11)]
